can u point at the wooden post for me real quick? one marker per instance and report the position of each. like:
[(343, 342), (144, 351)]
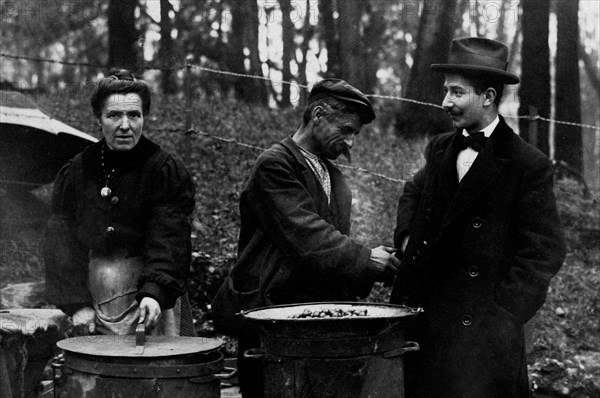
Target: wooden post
[(189, 92), (533, 126)]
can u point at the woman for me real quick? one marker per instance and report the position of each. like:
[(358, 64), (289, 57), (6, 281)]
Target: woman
[(118, 242)]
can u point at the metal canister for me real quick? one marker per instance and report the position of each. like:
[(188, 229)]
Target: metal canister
[(163, 366), (356, 356)]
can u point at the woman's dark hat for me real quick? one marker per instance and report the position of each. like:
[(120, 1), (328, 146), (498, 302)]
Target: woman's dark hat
[(480, 57), (341, 90)]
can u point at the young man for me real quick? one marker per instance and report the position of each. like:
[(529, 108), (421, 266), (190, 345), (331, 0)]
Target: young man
[(295, 221), (480, 239)]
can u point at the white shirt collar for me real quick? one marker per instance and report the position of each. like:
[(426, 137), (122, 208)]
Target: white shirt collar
[(488, 130)]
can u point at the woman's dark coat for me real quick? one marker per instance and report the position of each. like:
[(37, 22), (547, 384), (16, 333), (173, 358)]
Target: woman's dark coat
[(479, 260), (146, 215)]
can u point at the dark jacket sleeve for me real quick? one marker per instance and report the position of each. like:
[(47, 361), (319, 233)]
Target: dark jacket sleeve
[(287, 214), (409, 202), (167, 248), (540, 244), (65, 259)]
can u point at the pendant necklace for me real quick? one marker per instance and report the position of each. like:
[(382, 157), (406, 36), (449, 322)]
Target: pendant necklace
[(105, 191)]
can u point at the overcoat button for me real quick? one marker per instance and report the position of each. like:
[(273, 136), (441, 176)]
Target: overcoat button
[(425, 243), (473, 271), (467, 320), (428, 213), (415, 257), (110, 230), (114, 200), (477, 222)]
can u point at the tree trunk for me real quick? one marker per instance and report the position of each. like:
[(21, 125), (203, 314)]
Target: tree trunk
[(475, 18), (68, 74), (373, 39), (236, 50), (289, 48), (352, 47), (500, 28), (590, 68), (40, 69), (433, 44), (123, 48), (257, 92), (244, 35), (165, 51), (307, 33), (513, 47), (534, 92), (328, 34), (568, 140)]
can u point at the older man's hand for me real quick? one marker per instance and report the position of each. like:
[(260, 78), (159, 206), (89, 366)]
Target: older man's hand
[(149, 312), (384, 263)]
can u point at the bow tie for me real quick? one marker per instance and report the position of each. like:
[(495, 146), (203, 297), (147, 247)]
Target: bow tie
[(476, 141)]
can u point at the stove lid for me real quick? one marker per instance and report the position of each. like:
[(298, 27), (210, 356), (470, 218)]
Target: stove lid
[(125, 346)]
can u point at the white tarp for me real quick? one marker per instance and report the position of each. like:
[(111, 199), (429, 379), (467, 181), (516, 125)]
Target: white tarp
[(32, 117)]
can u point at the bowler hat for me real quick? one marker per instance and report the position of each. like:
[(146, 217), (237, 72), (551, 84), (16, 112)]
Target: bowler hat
[(341, 90), (478, 56)]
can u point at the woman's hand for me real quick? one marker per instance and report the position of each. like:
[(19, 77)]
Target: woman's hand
[(84, 321), (149, 312)]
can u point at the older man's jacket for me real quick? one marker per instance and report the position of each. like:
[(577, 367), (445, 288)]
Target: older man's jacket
[(293, 245), (479, 260)]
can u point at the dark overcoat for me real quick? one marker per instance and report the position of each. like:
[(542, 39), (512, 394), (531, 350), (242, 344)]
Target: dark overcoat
[(479, 260)]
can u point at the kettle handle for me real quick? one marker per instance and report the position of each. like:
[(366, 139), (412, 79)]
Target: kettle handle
[(255, 353), (408, 346), (140, 338), (229, 373)]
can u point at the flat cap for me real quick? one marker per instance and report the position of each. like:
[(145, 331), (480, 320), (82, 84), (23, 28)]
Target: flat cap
[(341, 90)]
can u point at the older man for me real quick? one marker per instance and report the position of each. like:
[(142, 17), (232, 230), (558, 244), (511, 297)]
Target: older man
[(481, 239), (295, 209)]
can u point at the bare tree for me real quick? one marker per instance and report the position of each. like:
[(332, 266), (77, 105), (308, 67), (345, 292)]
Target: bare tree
[(352, 47), (433, 43), (244, 37), (166, 50), (590, 68), (307, 34), (289, 48), (568, 138), (500, 28), (328, 35), (373, 37), (258, 93), (534, 92), (123, 36)]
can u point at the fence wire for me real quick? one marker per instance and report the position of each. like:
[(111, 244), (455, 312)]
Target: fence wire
[(249, 76), (263, 78)]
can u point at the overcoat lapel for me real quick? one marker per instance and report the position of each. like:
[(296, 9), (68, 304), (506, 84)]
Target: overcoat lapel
[(481, 176), (448, 181)]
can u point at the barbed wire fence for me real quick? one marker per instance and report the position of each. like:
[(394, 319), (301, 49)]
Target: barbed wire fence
[(189, 130)]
